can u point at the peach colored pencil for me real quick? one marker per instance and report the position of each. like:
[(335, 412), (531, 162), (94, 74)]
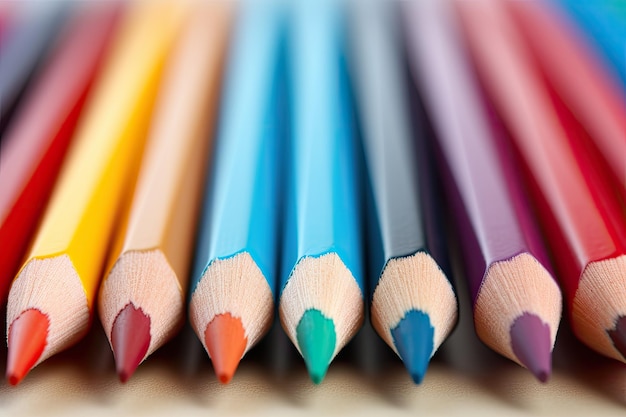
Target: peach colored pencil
[(141, 300)]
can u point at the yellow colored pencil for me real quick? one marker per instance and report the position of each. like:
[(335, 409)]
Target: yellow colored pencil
[(51, 301), (141, 300)]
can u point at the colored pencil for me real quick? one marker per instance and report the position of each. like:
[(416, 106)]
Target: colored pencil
[(141, 300), (603, 28), (587, 88), (33, 30), (5, 20), (50, 303), (33, 152), (585, 225), (321, 301), (516, 302), (234, 280), (413, 303)]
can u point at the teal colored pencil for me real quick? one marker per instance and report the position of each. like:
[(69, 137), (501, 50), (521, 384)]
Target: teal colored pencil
[(321, 301), (234, 279)]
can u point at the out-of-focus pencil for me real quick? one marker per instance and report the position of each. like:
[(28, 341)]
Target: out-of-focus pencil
[(588, 89), (582, 218), (33, 29), (141, 300), (40, 133), (321, 301), (413, 304), (50, 303), (234, 282), (516, 302), (604, 27), (5, 20)]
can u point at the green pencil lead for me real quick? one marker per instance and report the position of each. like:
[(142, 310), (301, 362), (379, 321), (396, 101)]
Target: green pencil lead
[(317, 340)]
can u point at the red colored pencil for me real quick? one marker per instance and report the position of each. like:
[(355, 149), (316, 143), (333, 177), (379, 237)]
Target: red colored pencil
[(582, 218), (587, 87), (38, 137)]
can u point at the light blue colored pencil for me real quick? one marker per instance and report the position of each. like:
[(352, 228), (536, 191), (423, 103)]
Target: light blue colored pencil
[(234, 279), (321, 301)]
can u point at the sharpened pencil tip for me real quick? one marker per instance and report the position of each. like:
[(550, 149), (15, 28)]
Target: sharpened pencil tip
[(618, 335), (531, 343), (130, 340), (27, 340), (414, 339), (226, 342), (317, 340)]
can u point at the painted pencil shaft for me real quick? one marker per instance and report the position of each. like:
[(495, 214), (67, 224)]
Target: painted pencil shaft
[(580, 215), (148, 278), (413, 304), (32, 32), (604, 28), (505, 260), (588, 89), (32, 153), (6, 19), (57, 284), (321, 300), (234, 279)]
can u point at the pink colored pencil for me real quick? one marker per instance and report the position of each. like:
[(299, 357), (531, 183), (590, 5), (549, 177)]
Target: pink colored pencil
[(587, 87)]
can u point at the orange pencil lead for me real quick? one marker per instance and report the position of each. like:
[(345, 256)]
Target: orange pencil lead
[(130, 340), (226, 343), (27, 339)]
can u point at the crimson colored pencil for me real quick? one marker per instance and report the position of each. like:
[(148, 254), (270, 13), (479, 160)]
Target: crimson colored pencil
[(516, 302), (582, 218), (576, 73), (38, 137)]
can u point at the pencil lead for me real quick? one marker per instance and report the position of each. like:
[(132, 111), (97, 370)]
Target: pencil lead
[(618, 335), (530, 340), (226, 342), (317, 340), (27, 340), (414, 339), (130, 339)]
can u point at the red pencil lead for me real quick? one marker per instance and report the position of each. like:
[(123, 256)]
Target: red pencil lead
[(226, 342), (130, 339), (27, 339)]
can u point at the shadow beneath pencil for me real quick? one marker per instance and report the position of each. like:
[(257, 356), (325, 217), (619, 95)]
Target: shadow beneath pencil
[(599, 374), (382, 372), (481, 367), (280, 366)]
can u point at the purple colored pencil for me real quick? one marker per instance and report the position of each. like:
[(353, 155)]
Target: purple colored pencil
[(516, 301)]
